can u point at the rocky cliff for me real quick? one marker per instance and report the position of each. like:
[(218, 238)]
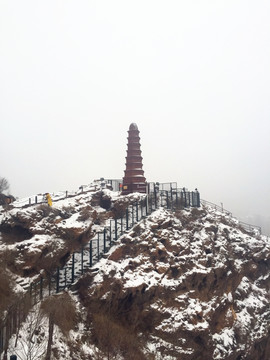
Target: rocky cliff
[(186, 285)]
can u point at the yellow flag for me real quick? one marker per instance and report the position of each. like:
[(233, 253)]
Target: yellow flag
[(49, 199)]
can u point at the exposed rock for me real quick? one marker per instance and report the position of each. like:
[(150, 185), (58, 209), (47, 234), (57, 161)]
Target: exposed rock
[(41, 237), (193, 291), (187, 285)]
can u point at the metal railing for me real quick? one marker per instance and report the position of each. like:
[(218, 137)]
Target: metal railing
[(91, 252), (252, 229), (79, 262), (216, 207)]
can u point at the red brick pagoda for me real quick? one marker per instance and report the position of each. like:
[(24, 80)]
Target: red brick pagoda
[(134, 180)]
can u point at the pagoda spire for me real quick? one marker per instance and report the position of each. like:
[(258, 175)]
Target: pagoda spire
[(134, 180)]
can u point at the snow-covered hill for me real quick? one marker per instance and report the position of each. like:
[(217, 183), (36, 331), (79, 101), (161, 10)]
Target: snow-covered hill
[(188, 284)]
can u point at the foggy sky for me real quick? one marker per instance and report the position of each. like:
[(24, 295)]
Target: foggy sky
[(193, 75)]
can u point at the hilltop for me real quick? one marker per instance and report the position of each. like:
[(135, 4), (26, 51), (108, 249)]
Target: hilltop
[(185, 284)]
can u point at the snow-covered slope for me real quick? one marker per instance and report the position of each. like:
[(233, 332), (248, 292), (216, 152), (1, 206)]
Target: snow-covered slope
[(186, 285), (192, 284), (39, 238)]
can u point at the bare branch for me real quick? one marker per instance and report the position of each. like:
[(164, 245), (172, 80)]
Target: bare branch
[(4, 185)]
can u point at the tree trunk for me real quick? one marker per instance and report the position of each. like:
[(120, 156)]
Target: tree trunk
[(5, 355), (50, 339)]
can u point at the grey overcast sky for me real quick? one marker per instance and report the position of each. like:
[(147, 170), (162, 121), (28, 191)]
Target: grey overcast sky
[(193, 75)]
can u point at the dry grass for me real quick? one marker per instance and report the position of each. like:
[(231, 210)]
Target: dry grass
[(113, 339), (85, 214), (61, 308)]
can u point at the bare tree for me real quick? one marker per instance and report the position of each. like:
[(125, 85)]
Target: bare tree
[(6, 285), (4, 185), (115, 340), (29, 343), (61, 311)]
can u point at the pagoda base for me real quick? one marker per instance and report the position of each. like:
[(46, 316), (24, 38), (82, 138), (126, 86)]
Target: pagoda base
[(134, 187)]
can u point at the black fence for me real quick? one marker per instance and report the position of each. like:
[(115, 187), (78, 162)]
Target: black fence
[(169, 196), (80, 261), (249, 228), (91, 252)]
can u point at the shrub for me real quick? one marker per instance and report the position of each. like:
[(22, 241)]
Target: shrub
[(67, 211), (114, 339), (101, 199), (47, 211), (44, 209), (119, 209), (5, 288), (61, 311), (85, 214), (105, 201)]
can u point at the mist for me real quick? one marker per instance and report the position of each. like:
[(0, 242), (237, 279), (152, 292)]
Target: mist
[(194, 76)]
